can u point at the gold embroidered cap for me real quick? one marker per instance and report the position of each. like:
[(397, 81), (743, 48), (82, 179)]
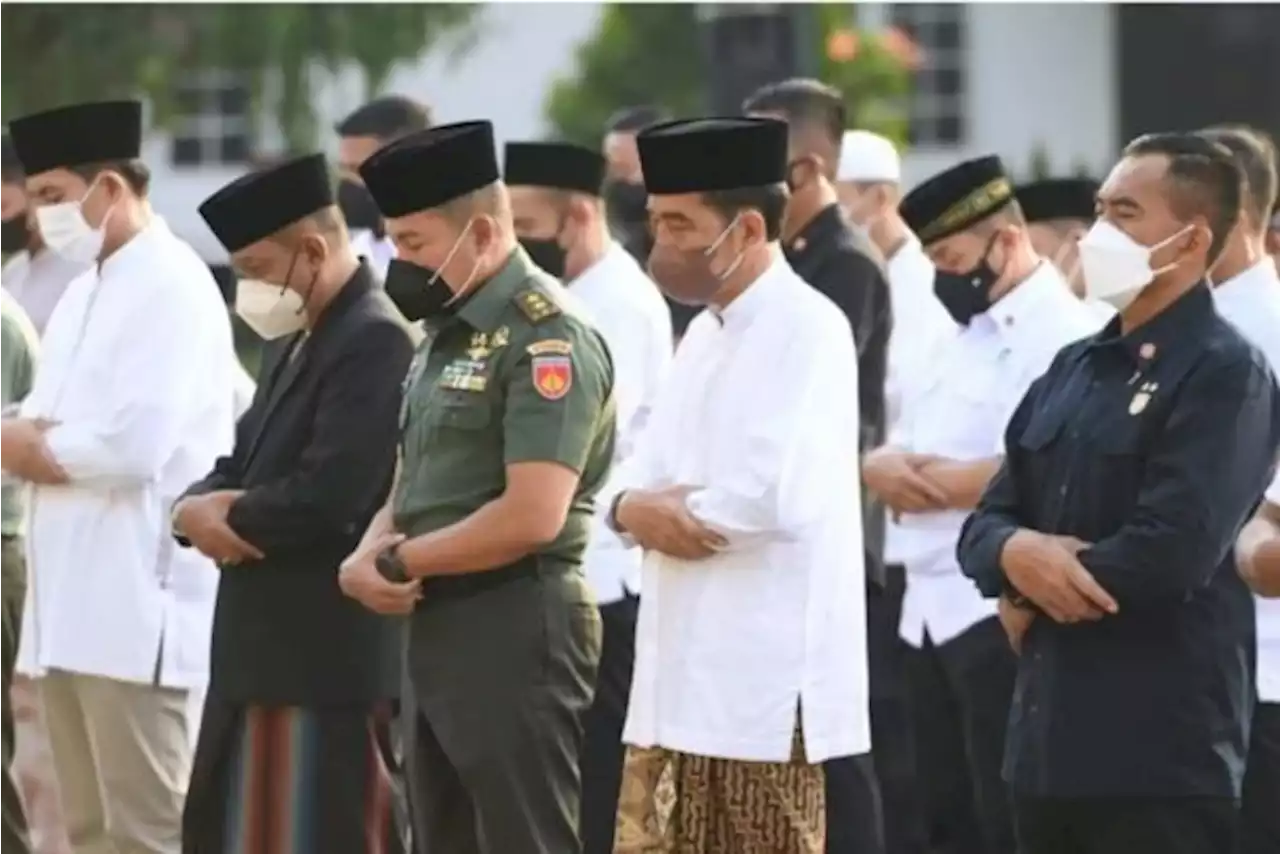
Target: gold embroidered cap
[(953, 200)]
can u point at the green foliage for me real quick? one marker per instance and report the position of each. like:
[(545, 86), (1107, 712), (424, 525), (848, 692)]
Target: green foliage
[(57, 53), (653, 53)]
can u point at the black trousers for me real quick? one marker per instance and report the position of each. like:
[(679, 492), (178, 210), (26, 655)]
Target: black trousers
[(1127, 825), (602, 748), (500, 683), (1260, 804), (960, 696)]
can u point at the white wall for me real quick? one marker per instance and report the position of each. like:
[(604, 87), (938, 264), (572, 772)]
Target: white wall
[(522, 49), (1038, 74)]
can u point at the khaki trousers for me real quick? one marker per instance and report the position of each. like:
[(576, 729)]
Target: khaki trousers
[(121, 757)]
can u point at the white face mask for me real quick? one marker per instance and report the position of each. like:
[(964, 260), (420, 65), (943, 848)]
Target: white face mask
[(1116, 267), (269, 310), (66, 231)]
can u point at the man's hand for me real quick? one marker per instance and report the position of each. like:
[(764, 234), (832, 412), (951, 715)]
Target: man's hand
[(1045, 570), (892, 475), (202, 519), (27, 456), (660, 520), (1016, 621), (360, 580)]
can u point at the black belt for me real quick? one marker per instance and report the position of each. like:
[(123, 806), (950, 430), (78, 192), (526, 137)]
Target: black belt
[(471, 583)]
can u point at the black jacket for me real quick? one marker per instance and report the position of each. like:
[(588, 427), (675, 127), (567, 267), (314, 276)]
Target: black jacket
[(315, 455)]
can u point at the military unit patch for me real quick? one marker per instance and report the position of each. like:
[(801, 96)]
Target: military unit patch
[(551, 346), (552, 376), (536, 306)]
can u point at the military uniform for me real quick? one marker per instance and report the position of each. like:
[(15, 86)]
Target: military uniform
[(501, 663)]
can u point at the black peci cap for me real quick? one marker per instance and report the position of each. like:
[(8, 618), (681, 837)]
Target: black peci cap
[(1058, 198), (430, 168), (953, 200), (67, 137), (706, 155), (258, 205), (554, 165)]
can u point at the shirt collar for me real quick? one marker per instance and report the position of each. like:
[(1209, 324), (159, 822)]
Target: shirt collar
[(819, 232), (484, 309), (600, 272), (136, 248), (1257, 279), (1018, 308), (1177, 326), (747, 305)]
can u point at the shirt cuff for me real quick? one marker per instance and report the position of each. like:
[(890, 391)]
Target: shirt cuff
[(984, 558), (78, 452)]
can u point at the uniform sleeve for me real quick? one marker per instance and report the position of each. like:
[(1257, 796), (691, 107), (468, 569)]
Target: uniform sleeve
[(1202, 479), (346, 466), (997, 517), (558, 388), (136, 422), (793, 444)]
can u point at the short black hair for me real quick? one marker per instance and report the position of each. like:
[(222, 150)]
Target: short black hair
[(770, 201), (1204, 179), (802, 100), (1255, 155), (386, 119), (135, 173), (635, 119)]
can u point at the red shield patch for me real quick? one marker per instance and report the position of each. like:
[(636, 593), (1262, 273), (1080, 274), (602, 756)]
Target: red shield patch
[(552, 376)]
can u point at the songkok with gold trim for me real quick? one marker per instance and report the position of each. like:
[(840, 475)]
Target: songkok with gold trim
[(554, 166), (708, 155), (257, 205), (1058, 198), (66, 137), (431, 167), (957, 199)]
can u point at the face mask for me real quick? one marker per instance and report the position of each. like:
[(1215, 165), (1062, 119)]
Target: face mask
[(547, 254), (966, 295), (420, 293), (272, 311), (13, 234), (625, 202), (1116, 267), (358, 207), (685, 275), (67, 232)]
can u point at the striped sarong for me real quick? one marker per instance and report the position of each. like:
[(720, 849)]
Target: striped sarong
[(291, 780)]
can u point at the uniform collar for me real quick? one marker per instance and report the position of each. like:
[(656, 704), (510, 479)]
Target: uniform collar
[(817, 233), (1177, 327), (484, 309), (1257, 280), (743, 310), (1018, 308)]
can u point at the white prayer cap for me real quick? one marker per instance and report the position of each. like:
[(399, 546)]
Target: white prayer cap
[(867, 156)]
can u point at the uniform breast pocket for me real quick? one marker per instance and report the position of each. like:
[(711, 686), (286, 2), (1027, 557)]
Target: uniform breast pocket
[(459, 427)]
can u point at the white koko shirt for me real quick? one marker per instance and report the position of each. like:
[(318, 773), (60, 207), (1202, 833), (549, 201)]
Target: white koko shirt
[(959, 412), (627, 308), (1251, 301), (136, 371), (728, 648)]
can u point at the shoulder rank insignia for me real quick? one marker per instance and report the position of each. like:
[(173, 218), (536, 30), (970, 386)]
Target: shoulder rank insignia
[(552, 375), (1142, 398), (536, 306)]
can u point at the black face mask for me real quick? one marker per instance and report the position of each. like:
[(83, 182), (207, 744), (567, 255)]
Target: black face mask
[(358, 207), (547, 254), (625, 202), (966, 295), (419, 292), (14, 235)]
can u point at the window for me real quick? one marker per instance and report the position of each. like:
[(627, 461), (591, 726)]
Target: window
[(937, 109), (213, 123)]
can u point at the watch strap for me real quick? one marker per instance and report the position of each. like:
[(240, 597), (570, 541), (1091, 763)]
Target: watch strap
[(391, 566)]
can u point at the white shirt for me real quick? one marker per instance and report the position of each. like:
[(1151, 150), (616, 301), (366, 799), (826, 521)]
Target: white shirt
[(920, 323), (243, 387), (728, 647), (960, 413), (38, 283), (378, 251), (636, 324), (136, 372), (1251, 301)]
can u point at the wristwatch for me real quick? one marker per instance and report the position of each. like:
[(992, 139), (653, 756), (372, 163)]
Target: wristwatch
[(391, 566), (611, 520), (1016, 599)]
